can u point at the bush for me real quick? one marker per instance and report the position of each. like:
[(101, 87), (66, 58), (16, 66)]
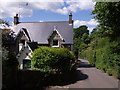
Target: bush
[(53, 59), (9, 61), (105, 55), (9, 70)]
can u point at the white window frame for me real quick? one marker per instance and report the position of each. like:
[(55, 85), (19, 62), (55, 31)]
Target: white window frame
[(55, 45)]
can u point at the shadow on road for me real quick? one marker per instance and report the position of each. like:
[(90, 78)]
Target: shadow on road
[(82, 64), (66, 79)]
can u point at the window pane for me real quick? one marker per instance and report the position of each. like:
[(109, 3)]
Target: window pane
[(22, 41), (55, 42), (26, 64)]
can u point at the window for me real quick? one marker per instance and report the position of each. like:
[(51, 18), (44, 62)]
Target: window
[(22, 42), (55, 43), (26, 63)]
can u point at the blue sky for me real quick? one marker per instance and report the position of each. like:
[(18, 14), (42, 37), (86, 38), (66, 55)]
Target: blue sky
[(50, 11)]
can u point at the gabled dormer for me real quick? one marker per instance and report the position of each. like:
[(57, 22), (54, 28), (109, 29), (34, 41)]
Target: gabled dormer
[(55, 38)]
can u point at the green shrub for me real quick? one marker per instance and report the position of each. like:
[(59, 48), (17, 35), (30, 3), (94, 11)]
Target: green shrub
[(52, 59), (105, 55), (9, 70), (10, 61)]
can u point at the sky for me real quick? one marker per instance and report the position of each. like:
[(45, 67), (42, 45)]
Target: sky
[(49, 10)]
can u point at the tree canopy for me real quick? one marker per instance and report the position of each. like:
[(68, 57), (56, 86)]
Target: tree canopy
[(4, 22), (108, 15), (102, 46), (78, 32), (81, 38)]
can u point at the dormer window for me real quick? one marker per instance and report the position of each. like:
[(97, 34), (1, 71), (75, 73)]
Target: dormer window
[(55, 43), (55, 38), (22, 42)]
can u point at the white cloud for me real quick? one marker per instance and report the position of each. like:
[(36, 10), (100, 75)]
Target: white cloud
[(80, 5), (64, 10), (40, 21), (91, 22), (90, 29), (9, 9)]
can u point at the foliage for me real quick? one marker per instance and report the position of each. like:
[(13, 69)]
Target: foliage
[(78, 32), (81, 39), (9, 69), (94, 31), (104, 56), (9, 61), (7, 37), (4, 22), (103, 48), (4, 53), (108, 45), (85, 38), (52, 59), (107, 14)]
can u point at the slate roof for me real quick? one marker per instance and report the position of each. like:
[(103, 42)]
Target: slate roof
[(41, 31)]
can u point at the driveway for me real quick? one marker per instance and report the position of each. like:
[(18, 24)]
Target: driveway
[(90, 77)]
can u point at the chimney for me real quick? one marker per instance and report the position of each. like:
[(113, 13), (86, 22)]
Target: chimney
[(70, 19), (16, 19)]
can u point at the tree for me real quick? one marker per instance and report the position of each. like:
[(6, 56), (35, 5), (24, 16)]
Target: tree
[(103, 50), (9, 61), (85, 38), (4, 22), (78, 32), (94, 31), (108, 16)]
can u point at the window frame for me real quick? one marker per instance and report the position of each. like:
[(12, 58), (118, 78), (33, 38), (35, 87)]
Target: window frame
[(55, 45)]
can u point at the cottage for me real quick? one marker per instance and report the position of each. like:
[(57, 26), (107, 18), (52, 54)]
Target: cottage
[(30, 35)]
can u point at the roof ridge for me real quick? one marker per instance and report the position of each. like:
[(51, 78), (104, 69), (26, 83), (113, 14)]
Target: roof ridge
[(45, 22)]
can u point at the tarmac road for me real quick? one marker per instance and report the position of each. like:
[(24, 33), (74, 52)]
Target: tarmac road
[(95, 78), (89, 78)]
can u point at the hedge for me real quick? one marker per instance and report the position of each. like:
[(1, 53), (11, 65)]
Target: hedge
[(53, 59), (105, 56)]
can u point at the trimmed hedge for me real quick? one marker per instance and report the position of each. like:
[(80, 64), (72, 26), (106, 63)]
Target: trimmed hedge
[(105, 56), (53, 59)]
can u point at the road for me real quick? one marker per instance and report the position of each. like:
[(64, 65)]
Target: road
[(90, 77), (96, 78)]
